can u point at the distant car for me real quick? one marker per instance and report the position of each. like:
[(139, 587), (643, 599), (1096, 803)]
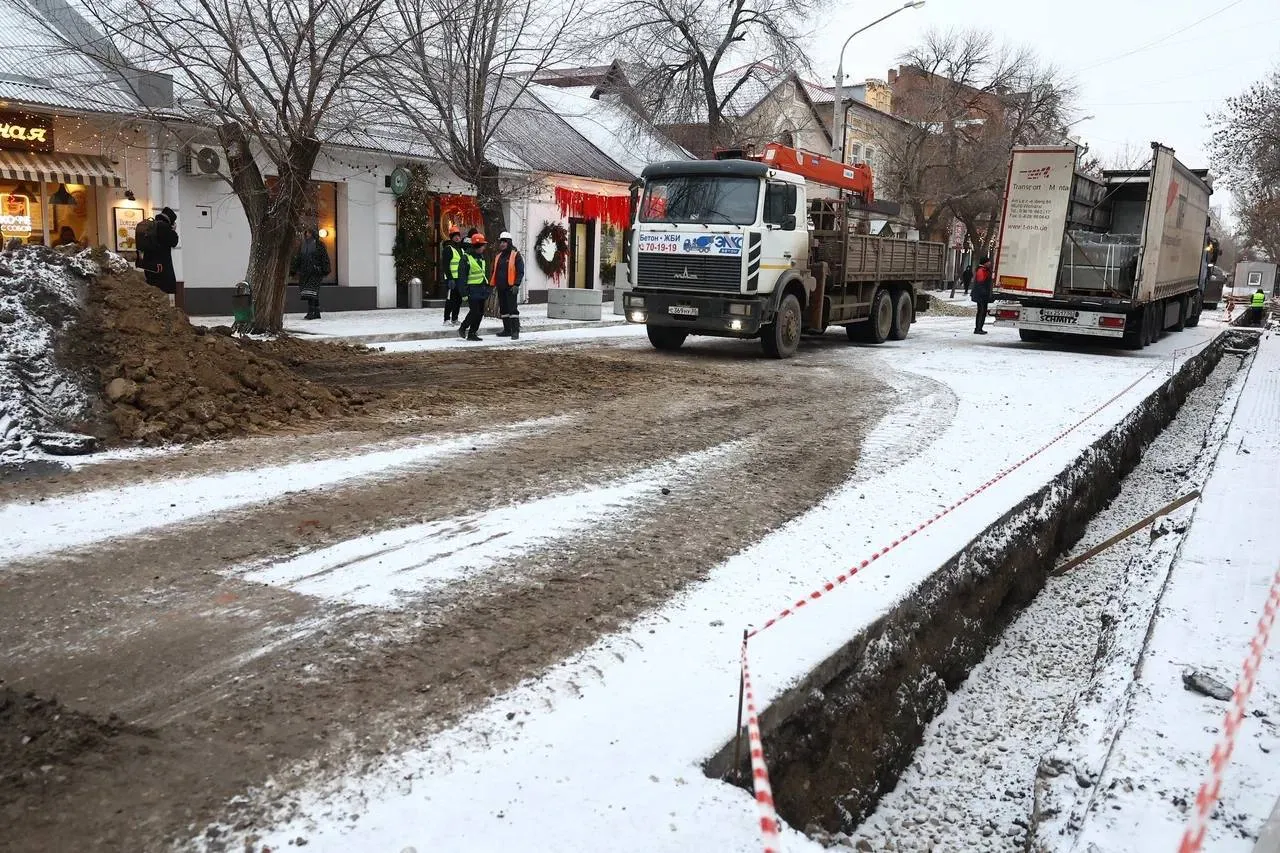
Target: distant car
[(1213, 286)]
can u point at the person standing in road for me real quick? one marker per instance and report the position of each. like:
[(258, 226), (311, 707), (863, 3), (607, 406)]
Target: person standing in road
[(474, 274), (310, 265), (966, 277), (981, 293), (507, 276), (156, 258), (451, 252)]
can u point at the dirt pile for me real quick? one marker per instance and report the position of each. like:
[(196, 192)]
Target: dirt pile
[(39, 738), (40, 297), (939, 307), (163, 379)]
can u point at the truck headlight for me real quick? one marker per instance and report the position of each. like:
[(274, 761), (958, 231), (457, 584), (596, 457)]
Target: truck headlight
[(741, 309), (735, 325), (635, 301), (637, 316)]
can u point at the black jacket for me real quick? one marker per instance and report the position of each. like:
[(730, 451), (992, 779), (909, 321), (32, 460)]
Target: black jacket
[(157, 264), (310, 265), (501, 264), (981, 290)]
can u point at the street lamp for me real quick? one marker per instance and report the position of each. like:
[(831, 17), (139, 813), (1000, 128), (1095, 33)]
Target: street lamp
[(837, 114)]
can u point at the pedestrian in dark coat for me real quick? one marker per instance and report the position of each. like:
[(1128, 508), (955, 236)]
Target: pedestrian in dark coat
[(311, 266), (981, 293), (966, 277), (157, 261), (507, 276)]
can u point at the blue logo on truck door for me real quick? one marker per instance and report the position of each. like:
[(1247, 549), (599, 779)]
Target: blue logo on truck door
[(713, 244)]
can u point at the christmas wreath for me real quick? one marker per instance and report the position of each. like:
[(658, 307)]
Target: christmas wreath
[(551, 250)]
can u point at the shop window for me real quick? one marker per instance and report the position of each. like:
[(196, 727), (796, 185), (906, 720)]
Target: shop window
[(321, 209), (76, 222), (21, 213)]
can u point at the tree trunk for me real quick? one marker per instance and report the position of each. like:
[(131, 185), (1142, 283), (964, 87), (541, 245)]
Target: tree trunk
[(489, 198), (273, 218)]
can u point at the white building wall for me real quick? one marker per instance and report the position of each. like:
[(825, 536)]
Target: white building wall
[(127, 145), (537, 206)]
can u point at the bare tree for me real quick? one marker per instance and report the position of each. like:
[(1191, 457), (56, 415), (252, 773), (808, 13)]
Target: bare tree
[(676, 49), (1246, 148), (967, 99), (463, 87), (271, 79)]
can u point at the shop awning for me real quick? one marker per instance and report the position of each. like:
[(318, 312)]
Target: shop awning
[(58, 168)]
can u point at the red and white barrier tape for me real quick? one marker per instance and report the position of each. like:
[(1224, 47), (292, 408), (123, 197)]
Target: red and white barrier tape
[(759, 771), (1211, 788), (842, 578)]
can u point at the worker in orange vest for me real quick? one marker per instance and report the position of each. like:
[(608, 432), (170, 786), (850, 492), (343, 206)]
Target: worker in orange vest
[(507, 274)]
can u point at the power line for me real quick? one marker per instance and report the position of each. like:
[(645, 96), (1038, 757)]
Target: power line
[(1162, 39)]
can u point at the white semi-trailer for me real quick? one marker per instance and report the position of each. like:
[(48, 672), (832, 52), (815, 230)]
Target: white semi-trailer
[(1121, 257)]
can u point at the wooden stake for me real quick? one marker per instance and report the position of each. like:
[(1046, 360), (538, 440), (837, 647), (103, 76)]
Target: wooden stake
[(1125, 534), (737, 724)]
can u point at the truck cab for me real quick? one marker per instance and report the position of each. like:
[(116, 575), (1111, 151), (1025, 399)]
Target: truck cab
[(717, 246)]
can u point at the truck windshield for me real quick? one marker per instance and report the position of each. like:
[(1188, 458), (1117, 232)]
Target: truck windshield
[(701, 199)]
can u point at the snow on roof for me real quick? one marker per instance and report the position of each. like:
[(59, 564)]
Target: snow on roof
[(610, 126), (36, 69)]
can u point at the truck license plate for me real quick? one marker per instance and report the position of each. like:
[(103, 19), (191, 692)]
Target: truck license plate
[(683, 310), (1064, 317)]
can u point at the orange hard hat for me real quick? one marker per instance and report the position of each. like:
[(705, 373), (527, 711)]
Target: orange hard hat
[(477, 239)]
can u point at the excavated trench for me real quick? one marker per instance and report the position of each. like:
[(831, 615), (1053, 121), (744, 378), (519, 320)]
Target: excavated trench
[(840, 738)]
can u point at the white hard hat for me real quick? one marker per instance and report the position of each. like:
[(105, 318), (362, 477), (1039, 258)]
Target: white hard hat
[(505, 235)]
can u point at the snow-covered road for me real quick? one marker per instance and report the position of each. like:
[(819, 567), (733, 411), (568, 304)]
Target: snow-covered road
[(604, 751)]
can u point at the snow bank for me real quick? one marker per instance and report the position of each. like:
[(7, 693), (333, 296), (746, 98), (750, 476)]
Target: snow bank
[(41, 294)]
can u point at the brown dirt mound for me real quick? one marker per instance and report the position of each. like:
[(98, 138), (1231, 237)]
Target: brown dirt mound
[(39, 738), (162, 378)]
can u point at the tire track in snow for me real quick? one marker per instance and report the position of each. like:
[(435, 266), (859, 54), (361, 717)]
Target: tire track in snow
[(390, 568), (60, 524)]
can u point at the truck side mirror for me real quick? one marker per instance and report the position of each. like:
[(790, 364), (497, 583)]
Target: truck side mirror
[(789, 222)]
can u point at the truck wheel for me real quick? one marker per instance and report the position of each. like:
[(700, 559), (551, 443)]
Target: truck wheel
[(781, 338), (1137, 329), (665, 337), (880, 324), (901, 315), (1031, 336), (1181, 322), (1193, 318)]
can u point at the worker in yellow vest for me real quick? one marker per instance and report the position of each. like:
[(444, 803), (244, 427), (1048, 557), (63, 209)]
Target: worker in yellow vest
[(507, 275), (474, 273), (1258, 307), (450, 260)]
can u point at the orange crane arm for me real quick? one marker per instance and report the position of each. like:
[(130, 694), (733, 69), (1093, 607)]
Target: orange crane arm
[(856, 179)]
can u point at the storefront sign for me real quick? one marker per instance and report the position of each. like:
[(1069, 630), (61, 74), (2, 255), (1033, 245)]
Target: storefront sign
[(15, 215), (26, 132), (126, 227)]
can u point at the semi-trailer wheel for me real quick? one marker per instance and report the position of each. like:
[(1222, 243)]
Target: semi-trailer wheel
[(1031, 336), (1197, 306), (781, 338), (879, 325), (666, 337), (1181, 304), (901, 315), (1137, 329)]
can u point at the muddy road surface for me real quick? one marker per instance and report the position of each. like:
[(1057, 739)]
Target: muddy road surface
[(179, 628)]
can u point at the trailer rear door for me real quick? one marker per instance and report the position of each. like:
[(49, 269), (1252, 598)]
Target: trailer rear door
[(1036, 200), (1174, 233)]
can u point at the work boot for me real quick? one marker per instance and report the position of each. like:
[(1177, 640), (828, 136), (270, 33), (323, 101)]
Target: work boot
[(506, 328), (515, 328), (462, 333), (474, 337)]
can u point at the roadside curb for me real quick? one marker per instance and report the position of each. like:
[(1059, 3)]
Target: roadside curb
[(445, 334)]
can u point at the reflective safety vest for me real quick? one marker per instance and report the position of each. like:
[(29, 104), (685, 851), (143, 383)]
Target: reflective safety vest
[(1259, 300), (510, 255), (455, 260), (477, 276)]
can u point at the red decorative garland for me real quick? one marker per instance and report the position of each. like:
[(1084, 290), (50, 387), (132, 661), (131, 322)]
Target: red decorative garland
[(612, 209)]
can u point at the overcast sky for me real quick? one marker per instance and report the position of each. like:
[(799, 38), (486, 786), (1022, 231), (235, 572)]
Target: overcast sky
[(1176, 70)]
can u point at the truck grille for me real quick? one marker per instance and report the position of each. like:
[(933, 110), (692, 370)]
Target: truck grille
[(690, 272)]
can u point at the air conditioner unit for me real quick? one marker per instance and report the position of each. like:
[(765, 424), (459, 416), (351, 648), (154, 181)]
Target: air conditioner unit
[(203, 162)]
